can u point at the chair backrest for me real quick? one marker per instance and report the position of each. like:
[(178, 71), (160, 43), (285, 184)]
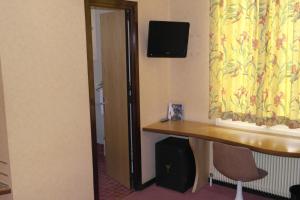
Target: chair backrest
[(235, 162)]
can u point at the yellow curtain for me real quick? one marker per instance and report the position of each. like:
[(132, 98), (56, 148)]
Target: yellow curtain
[(255, 61)]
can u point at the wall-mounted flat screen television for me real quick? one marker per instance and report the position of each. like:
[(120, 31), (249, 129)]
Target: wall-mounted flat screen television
[(168, 39)]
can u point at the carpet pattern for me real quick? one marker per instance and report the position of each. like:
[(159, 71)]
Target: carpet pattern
[(215, 192), (109, 188)]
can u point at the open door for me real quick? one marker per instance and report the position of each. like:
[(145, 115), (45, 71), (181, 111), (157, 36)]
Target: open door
[(113, 39)]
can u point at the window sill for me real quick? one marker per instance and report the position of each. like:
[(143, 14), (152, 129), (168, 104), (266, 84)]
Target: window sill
[(276, 130)]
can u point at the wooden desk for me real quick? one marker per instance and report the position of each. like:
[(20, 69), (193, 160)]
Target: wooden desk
[(200, 133), (4, 189)]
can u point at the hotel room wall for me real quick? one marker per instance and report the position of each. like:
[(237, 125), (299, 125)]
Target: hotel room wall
[(190, 75), (44, 68), (154, 82)]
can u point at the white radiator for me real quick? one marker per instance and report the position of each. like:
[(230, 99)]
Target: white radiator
[(282, 173)]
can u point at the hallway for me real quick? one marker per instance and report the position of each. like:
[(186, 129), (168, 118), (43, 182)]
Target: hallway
[(109, 188)]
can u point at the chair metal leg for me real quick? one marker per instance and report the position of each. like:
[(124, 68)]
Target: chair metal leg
[(210, 179), (239, 191)]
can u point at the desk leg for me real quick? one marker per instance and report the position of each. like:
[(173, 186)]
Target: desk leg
[(200, 150)]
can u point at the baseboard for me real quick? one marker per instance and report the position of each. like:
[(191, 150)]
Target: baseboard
[(252, 191), (146, 184)]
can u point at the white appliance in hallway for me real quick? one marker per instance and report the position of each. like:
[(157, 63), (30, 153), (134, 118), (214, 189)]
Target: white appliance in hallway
[(100, 113), (98, 81)]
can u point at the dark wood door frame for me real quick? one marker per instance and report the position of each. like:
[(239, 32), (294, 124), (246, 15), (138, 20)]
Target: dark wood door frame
[(132, 14)]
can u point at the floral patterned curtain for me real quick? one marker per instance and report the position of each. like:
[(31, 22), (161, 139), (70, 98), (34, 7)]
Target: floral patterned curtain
[(255, 61)]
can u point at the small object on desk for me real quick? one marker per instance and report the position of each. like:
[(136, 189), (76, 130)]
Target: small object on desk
[(164, 119), (175, 112)]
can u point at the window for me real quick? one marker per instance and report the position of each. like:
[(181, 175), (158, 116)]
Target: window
[(255, 61)]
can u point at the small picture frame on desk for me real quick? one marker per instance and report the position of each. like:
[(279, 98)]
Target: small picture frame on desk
[(175, 112)]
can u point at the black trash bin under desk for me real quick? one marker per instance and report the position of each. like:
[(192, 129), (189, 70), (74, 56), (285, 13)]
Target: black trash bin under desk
[(175, 165), (295, 192)]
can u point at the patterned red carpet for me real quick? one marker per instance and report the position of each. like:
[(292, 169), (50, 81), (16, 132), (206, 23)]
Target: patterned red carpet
[(207, 193), (109, 188)]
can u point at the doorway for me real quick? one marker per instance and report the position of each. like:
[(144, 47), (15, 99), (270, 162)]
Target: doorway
[(114, 92), (110, 78)]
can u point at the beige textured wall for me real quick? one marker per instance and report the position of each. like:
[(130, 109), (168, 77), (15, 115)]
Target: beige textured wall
[(43, 55), (190, 76), (154, 82), (3, 142)]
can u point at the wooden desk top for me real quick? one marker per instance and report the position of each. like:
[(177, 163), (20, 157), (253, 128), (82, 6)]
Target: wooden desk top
[(4, 189), (274, 144)]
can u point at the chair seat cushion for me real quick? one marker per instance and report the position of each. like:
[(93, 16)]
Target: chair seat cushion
[(262, 173), (236, 163)]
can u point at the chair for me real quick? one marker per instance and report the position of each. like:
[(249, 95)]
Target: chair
[(236, 163)]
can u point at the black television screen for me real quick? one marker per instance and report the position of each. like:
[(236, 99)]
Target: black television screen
[(168, 39)]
